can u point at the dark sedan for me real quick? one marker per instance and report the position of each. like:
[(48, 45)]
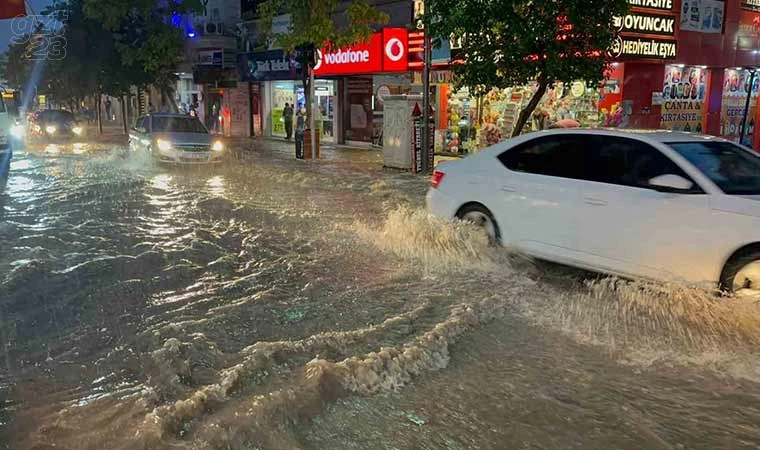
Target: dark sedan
[(53, 125)]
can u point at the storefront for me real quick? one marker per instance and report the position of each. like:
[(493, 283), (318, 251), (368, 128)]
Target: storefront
[(292, 93), (347, 107), (738, 96)]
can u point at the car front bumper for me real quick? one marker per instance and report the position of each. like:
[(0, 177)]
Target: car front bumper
[(182, 157)]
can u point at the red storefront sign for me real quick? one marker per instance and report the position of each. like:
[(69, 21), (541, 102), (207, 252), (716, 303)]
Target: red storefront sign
[(12, 8), (395, 50), (384, 52)]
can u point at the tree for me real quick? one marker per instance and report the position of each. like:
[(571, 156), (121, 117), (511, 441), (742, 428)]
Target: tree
[(3, 64), (523, 41), (148, 44), (312, 25)]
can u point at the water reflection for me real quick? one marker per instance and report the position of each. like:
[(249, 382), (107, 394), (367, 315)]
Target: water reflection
[(216, 185)]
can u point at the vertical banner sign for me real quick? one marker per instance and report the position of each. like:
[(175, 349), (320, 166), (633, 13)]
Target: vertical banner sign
[(735, 90), (417, 156), (431, 141), (683, 93)]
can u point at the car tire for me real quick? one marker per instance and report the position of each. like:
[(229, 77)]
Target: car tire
[(743, 265), (480, 215)]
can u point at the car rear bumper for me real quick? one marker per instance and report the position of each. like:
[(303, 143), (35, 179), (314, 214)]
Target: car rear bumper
[(441, 204)]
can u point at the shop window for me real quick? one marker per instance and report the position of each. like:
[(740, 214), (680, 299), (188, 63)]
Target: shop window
[(557, 156), (627, 162)]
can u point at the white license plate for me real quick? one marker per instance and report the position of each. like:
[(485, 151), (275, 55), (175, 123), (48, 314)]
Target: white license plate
[(189, 155)]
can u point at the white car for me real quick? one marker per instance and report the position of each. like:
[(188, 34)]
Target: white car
[(176, 138), (642, 204)]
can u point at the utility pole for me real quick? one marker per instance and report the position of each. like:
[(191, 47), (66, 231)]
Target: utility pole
[(752, 73), (427, 55), (313, 134)]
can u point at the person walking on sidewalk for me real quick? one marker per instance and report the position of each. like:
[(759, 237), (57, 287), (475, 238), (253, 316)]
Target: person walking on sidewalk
[(287, 116)]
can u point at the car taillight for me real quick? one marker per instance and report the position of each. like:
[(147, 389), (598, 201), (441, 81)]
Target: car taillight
[(437, 178)]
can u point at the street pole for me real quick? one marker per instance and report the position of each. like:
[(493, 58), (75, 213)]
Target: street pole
[(426, 103), (313, 133), (746, 105)]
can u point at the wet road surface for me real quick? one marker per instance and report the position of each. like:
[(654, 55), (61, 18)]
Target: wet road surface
[(270, 303)]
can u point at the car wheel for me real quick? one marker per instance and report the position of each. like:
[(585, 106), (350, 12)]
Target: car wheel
[(742, 272), (482, 217)]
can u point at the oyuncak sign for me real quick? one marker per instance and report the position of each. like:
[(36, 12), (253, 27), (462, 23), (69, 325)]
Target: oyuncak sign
[(645, 23), (384, 52)]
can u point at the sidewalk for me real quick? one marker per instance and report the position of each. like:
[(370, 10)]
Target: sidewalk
[(286, 149)]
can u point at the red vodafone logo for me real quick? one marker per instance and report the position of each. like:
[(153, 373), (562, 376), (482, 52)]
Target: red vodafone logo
[(394, 49), (395, 44)]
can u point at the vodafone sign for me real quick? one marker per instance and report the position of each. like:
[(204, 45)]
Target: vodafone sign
[(385, 52), (395, 49)]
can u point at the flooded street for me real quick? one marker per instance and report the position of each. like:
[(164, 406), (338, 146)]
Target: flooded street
[(266, 303)]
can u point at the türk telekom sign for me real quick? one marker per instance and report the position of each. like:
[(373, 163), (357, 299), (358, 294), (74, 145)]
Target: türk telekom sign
[(384, 52)]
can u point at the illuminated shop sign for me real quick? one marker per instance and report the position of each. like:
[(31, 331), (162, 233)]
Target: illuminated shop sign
[(644, 23), (662, 5), (384, 52), (647, 18), (751, 5), (626, 47)]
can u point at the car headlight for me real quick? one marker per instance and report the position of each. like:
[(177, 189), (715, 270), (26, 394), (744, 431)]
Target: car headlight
[(77, 130), (217, 146), (50, 129), (17, 130), (163, 144)]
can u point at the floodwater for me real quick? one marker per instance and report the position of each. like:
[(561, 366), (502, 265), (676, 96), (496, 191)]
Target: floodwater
[(272, 304)]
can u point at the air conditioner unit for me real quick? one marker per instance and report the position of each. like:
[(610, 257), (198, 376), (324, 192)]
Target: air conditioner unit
[(213, 28)]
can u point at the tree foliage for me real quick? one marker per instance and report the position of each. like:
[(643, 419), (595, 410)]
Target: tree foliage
[(522, 41), (110, 45), (313, 24)]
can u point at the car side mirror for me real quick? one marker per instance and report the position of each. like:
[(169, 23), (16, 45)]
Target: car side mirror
[(670, 183)]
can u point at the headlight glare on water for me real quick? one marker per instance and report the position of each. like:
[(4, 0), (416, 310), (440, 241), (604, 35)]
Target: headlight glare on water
[(17, 131), (77, 130)]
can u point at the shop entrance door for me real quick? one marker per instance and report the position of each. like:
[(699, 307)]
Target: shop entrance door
[(325, 114)]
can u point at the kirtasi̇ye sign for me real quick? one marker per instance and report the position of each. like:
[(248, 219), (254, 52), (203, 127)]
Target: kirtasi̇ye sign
[(647, 31), (751, 5), (683, 98), (662, 5)]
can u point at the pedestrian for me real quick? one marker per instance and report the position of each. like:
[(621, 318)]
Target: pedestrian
[(301, 119), (108, 108), (287, 117)]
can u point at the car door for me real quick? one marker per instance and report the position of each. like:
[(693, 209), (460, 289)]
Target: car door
[(631, 228), (540, 194)]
